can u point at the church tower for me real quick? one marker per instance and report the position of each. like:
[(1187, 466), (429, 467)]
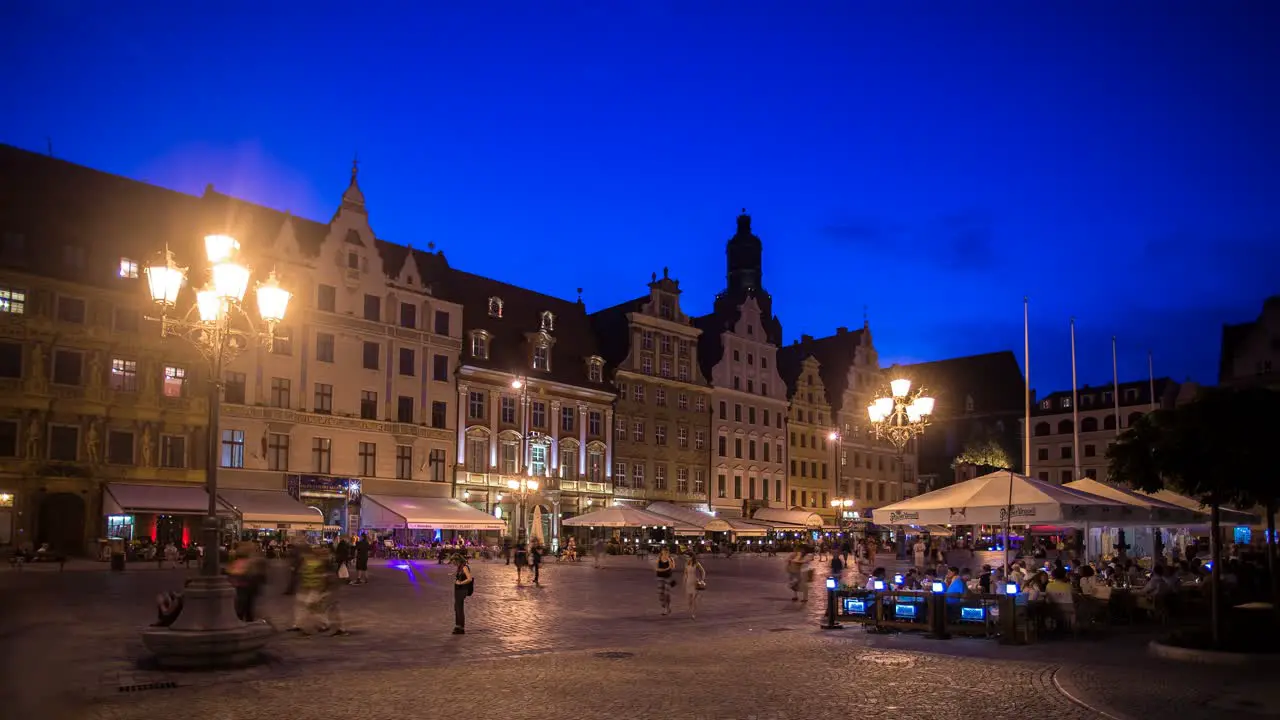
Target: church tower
[(744, 252)]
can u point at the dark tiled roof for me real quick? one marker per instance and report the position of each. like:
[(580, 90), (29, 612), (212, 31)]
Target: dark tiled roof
[(835, 354), (993, 380), (613, 331), (51, 203), (509, 349), (1165, 388), (1232, 337)]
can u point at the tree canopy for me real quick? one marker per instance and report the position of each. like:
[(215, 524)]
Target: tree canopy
[(983, 452)]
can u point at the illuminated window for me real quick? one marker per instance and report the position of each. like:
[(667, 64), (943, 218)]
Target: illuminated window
[(13, 301), (174, 380), (124, 375), (128, 268), (541, 358)]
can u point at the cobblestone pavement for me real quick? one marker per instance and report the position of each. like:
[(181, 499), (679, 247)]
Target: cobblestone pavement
[(73, 644)]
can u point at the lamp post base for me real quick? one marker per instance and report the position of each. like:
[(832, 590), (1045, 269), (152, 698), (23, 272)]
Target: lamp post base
[(207, 634)]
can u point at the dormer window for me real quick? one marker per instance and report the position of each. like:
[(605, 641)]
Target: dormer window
[(666, 307), (480, 345), (353, 261), (541, 357), (595, 370), (1046, 405), (968, 403), (548, 322), (495, 307)]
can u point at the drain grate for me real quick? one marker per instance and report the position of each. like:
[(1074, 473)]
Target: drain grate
[(614, 655), (142, 687)]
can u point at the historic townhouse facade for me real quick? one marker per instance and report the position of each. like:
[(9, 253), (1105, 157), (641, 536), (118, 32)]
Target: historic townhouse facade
[(89, 392), (661, 425), (738, 351), (810, 450), (357, 396), (533, 402)]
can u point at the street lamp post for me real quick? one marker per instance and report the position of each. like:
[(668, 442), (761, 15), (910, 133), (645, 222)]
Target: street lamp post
[(522, 490), (900, 417), (207, 632), (842, 505)]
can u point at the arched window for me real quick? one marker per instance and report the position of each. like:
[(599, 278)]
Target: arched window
[(1089, 425), (1109, 422), (1042, 429), (1064, 427)]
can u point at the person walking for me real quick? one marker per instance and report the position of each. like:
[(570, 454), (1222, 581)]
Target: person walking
[(315, 603), (522, 559), (535, 557), (342, 556), (464, 584), (695, 581), (597, 550), (664, 569), (295, 565), (362, 560)]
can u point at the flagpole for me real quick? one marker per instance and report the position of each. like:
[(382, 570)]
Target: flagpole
[(1151, 378), (1026, 369), (1075, 406), (1115, 383)]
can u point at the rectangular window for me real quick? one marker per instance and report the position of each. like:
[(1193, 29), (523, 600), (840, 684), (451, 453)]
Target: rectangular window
[(724, 410), (665, 367), (479, 346), (439, 414), (682, 401), (620, 429), (120, 448), (507, 410), (404, 409), (737, 413), (539, 414), (737, 448), (406, 362), (64, 443), (175, 380), (751, 415), (440, 368), (368, 405), (737, 487), (566, 419), (683, 374), (509, 450), (278, 452), (475, 405), (442, 322), (71, 310), (660, 397), (435, 463), (280, 392), (682, 437), (321, 455), (126, 319), (699, 482), (595, 373), (408, 315), (371, 352), (369, 459), (699, 439), (637, 475), (68, 367), (682, 480), (324, 399), (660, 434), (404, 459), (637, 393), (751, 449), (720, 489), (660, 476), (646, 363), (124, 375), (765, 448), (477, 455), (233, 448), (373, 308), (777, 484), (723, 446), (594, 421), (1089, 451), (234, 388), (637, 431), (13, 301), (327, 298), (324, 347), (542, 358), (173, 451), (282, 342), (538, 460)]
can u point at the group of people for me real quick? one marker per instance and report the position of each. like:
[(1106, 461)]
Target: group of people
[(693, 574)]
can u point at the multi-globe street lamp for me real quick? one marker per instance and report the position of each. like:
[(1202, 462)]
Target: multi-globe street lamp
[(900, 417), (220, 327), (521, 490), (842, 506)]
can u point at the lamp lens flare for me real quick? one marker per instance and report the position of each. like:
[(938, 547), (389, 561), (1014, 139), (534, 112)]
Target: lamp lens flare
[(900, 387)]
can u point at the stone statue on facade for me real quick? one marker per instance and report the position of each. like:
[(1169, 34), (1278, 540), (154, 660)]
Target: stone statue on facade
[(91, 442), (36, 376), (95, 370), (146, 446), (33, 438)]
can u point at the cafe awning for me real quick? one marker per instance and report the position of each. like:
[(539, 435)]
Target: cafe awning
[(620, 516), (705, 522), (1159, 512), (781, 519), (746, 528), (129, 498), (386, 512), (274, 509), (997, 497)]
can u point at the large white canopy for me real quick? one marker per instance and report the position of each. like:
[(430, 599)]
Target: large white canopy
[(384, 512), (995, 497), (1230, 516), (273, 509), (620, 516), (1159, 512), (788, 519), (688, 516)]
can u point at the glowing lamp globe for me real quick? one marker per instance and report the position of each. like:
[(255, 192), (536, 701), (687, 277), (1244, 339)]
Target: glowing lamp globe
[(209, 305), (925, 404), (220, 248), (230, 281), (532, 484), (900, 387), (273, 300), (164, 280)]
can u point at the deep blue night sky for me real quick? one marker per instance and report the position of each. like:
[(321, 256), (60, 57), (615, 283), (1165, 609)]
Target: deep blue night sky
[(1119, 162)]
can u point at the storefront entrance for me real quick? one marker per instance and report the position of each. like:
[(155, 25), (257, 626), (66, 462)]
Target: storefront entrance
[(61, 523)]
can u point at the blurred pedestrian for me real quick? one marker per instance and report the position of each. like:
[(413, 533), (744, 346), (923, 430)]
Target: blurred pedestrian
[(663, 570), (695, 581), (464, 585), (362, 560)]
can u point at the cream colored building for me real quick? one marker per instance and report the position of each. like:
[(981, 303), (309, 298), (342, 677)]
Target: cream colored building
[(811, 450), (358, 397)]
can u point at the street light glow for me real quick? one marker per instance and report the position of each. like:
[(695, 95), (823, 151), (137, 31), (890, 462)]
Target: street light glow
[(230, 281), (900, 387), (273, 300), (209, 305), (165, 279), (220, 248), (516, 384)]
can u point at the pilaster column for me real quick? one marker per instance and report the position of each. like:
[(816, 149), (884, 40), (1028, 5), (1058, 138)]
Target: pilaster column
[(495, 408), (526, 422), (553, 462), (462, 425), (582, 440), (608, 443)]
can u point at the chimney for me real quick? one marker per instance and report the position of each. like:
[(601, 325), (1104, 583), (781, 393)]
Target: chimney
[(842, 331), (806, 338)]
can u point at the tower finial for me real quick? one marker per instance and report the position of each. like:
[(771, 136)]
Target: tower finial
[(355, 165), (866, 323)]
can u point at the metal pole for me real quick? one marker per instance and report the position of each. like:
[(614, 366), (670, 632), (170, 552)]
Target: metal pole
[(211, 565), (1026, 369), (1007, 525), (1075, 407), (1115, 383)]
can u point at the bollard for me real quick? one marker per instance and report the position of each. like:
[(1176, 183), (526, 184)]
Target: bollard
[(831, 623)]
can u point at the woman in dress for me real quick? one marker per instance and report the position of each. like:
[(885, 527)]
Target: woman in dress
[(695, 581), (664, 569)]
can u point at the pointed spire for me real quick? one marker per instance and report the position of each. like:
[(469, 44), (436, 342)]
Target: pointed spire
[(353, 198)]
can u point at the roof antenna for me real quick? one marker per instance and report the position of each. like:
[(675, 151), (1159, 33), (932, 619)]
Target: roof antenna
[(579, 295), (49, 143)]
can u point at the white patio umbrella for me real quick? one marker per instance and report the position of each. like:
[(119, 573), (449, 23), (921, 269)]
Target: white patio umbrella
[(1158, 512), (536, 531), (619, 516), (1003, 497)]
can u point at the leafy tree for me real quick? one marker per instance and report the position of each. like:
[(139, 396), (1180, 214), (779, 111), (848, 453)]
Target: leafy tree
[(1204, 449), (986, 453), (1260, 426)]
